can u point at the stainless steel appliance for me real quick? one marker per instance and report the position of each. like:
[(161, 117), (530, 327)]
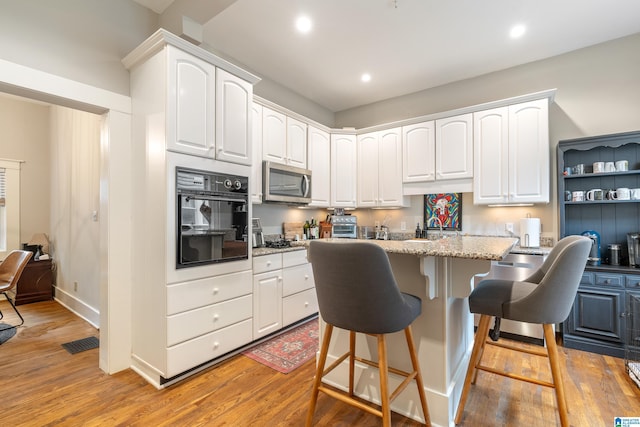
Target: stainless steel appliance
[(257, 240), (515, 267), (286, 184), (633, 243), (594, 256), (212, 214), (344, 226)]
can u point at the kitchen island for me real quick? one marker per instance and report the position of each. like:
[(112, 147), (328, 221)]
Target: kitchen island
[(440, 272)]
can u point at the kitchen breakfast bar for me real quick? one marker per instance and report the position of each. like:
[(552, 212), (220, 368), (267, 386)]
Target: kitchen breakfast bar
[(440, 272)]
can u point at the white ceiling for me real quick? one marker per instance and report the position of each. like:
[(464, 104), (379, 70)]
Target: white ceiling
[(417, 45)]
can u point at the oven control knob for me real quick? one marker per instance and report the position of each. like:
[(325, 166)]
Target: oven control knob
[(237, 184), (227, 183)]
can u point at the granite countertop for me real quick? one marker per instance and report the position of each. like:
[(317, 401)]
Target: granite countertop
[(269, 251), (473, 247)]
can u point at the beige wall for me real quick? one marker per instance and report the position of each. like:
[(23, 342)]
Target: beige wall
[(24, 135)]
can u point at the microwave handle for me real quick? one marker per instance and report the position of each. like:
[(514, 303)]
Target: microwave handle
[(305, 185)]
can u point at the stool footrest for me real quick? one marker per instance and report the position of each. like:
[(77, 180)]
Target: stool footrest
[(515, 376)]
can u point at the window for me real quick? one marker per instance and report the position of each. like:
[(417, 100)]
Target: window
[(9, 206)]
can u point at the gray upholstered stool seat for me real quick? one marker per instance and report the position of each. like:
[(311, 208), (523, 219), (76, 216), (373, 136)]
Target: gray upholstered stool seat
[(545, 297), (357, 292)]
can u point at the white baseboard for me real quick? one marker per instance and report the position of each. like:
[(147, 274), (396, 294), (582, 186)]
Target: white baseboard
[(78, 307)]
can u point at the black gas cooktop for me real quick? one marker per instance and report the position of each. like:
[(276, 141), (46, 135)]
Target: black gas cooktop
[(281, 243)]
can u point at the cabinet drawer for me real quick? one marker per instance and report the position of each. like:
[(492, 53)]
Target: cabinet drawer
[(632, 281), (267, 263), (294, 258), (190, 324), (189, 354), (199, 293), (297, 279), (608, 279), (588, 278), (299, 306)]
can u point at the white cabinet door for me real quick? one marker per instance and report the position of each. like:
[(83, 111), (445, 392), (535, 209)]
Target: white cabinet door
[(390, 169), (367, 170), (529, 152), (256, 166), (491, 156), (319, 162), (190, 104), (343, 171), (233, 118), (454, 147), (296, 143), (418, 152), (274, 136), (512, 154), (267, 303)]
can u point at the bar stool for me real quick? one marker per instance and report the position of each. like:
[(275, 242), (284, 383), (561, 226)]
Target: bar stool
[(545, 298), (357, 292)]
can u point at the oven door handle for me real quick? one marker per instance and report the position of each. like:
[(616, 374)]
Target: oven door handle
[(216, 198)]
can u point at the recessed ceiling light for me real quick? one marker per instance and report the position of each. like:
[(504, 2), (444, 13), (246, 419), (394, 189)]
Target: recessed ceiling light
[(366, 77), (517, 31), (303, 24)]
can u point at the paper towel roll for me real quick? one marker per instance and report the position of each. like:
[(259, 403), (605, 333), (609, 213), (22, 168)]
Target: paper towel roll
[(530, 232)]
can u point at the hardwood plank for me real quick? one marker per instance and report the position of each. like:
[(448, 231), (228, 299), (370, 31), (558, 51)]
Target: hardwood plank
[(52, 387)]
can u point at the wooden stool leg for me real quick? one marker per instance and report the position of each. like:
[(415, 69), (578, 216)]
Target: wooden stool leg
[(384, 381), (554, 362), (476, 355), (320, 368), (352, 360), (416, 367)]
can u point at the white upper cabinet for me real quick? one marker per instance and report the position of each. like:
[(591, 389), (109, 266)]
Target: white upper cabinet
[(454, 147), (512, 154), (284, 139), (274, 136), (380, 169), (256, 166), (296, 143), (234, 98), (191, 104), (418, 152), (343, 171), (319, 162)]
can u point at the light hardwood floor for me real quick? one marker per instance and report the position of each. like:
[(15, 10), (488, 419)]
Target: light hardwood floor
[(44, 385)]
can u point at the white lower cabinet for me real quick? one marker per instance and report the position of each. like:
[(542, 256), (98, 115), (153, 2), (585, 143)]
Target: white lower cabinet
[(283, 291), (207, 318), (189, 354)]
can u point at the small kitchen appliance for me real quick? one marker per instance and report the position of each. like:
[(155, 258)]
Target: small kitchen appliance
[(344, 226), (594, 255), (633, 242), (257, 236)]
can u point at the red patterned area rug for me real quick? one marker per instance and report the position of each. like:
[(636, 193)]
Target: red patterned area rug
[(288, 351)]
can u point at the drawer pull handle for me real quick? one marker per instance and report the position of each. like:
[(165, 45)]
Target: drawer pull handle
[(268, 263), (306, 304), (215, 291), (216, 345), (306, 277), (607, 281), (215, 317)]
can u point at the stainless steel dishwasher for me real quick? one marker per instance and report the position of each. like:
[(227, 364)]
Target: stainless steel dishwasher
[(515, 267)]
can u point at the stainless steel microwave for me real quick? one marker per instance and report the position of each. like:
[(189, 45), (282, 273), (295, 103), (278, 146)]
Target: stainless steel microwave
[(285, 184)]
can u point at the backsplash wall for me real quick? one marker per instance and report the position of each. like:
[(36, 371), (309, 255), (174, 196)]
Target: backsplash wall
[(476, 220)]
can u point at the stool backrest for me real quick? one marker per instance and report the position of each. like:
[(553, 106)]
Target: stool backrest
[(558, 279), (356, 288)]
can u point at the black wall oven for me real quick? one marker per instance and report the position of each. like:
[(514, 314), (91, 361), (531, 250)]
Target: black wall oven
[(212, 212)]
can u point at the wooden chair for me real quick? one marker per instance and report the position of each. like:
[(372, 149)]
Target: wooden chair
[(357, 292), (10, 271), (545, 298)]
